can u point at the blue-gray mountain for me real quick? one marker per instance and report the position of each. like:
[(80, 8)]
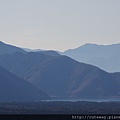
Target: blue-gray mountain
[(61, 76), (10, 49), (106, 57), (32, 50), (6, 48), (16, 89)]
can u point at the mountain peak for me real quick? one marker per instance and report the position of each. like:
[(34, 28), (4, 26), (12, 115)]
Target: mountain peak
[(106, 57), (2, 42), (6, 48)]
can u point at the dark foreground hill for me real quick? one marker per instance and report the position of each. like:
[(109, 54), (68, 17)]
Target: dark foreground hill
[(63, 77), (14, 89)]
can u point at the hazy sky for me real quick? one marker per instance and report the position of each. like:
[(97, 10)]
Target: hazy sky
[(59, 24)]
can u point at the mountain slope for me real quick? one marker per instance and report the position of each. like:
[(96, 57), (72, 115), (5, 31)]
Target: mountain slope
[(6, 48), (20, 63), (102, 56), (68, 78), (61, 76), (13, 88)]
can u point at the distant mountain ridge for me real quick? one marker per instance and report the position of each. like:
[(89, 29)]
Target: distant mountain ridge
[(50, 52), (103, 56), (6, 48), (32, 50)]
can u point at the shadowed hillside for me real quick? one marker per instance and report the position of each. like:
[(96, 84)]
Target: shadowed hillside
[(14, 89)]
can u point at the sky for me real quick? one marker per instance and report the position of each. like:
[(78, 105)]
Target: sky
[(59, 24)]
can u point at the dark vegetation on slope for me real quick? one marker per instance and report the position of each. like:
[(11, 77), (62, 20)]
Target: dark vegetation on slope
[(61, 108)]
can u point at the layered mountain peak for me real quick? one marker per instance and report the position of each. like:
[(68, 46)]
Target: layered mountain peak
[(106, 57), (1, 42), (6, 48), (63, 77)]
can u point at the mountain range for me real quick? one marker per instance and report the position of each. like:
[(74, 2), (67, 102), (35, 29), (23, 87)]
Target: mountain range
[(61, 76), (106, 57)]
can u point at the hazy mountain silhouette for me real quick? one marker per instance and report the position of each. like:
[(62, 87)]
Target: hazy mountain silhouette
[(62, 76), (110, 64), (32, 50), (106, 57), (6, 48), (15, 89), (50, 53), (47, 52)]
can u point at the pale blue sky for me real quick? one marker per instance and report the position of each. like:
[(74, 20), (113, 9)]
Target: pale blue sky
[(59, 24)]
